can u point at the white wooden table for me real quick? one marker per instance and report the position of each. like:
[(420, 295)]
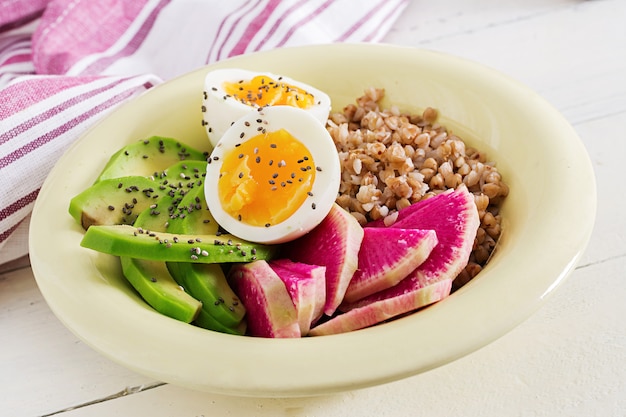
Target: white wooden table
[(569, 359)]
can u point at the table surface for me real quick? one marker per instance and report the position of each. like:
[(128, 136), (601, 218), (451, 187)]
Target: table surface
[(568, 359)]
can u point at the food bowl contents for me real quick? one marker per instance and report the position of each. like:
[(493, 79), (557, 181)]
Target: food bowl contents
[(291, 227), (392, 159), (273, 176), (231, 93)]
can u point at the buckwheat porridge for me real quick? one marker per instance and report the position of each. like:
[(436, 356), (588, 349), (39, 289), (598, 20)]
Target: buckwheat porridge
[(391, 160)]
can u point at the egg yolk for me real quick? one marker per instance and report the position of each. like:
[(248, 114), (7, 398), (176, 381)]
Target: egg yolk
[(264, 91), (265, 179)]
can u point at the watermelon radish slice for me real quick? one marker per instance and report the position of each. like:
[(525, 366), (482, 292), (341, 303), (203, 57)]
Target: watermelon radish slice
[(335, 244), (384, 309), (409, 211), (454, 217), (269, 309), (306, 285), (388, 255)]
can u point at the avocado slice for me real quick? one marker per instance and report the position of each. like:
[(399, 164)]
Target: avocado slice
[(192, 215), (113, 201), (207, 283), (157, 217), (135, 242), (207, 321), (156, 286), (221, 309), (149, 157), (152, 280), (120, 200)]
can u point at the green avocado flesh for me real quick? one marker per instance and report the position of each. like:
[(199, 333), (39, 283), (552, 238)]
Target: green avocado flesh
[(149, 157), (125, 240), (221, 308), (156, 286), (207, 283), (120, 200), (193, 215), (207, 321)]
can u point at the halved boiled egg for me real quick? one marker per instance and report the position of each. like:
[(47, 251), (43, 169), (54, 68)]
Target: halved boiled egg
[(273, 176), (230, 93)]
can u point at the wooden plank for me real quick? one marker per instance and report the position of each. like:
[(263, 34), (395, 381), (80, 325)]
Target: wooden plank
[(582, 77), (43, 366)]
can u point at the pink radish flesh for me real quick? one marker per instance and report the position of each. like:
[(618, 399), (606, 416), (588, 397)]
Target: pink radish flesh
[(385, 309), (306, 286), (454, 217), (270, 311), (387, 256), (335, 244)]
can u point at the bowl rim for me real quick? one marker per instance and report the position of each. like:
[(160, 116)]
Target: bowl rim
[(344, 356)]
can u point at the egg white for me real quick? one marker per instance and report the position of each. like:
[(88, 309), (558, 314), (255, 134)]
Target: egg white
[(221, 110), (304, 127)]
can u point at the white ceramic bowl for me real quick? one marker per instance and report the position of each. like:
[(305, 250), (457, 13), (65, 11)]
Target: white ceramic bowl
[(547, 219)]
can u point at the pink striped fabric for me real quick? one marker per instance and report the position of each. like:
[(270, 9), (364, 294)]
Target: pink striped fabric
[(64, 64)]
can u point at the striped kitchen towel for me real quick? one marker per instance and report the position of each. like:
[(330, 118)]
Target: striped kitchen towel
[(64, 64)]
